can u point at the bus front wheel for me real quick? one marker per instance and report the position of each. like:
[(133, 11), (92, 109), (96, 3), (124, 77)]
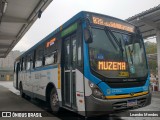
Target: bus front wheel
[(54, 102)]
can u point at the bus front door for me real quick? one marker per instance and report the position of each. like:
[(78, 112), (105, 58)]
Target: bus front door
[(69, 79)]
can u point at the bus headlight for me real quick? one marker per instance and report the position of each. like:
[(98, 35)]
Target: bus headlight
[(96, 92)]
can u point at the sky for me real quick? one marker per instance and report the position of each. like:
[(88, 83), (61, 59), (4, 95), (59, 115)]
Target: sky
[(59, 11)]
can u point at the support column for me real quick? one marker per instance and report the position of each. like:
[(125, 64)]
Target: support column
[(158, 56)]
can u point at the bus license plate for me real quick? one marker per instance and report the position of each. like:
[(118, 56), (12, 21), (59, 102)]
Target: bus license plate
[(131, 103)]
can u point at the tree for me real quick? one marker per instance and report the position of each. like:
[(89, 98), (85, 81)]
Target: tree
[(151, 48)]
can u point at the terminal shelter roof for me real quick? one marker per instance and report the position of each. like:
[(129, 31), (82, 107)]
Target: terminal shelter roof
[(16, 18), (148, 21)]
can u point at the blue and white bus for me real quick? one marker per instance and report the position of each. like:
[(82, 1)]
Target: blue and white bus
[(92, 64)]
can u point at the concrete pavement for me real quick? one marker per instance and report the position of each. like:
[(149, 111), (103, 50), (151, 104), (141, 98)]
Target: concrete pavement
[(11, 101)]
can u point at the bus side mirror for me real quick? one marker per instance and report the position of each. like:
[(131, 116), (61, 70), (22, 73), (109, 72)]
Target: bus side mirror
[(87, 35)]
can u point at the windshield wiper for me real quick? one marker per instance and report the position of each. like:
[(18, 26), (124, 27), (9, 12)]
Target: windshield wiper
[(111, 33), (131, 54)]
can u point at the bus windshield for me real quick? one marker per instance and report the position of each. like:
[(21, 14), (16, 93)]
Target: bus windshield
[(117, 55)]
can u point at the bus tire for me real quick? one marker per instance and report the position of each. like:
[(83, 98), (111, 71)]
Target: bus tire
[(21, 91), (54, 101)]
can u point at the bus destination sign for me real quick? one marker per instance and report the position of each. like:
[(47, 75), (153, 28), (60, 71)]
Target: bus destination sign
[(112, 23), (50, 43), (108, 65)]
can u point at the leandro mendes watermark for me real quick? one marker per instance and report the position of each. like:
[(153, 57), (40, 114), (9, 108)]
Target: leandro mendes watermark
[(141, 114), (144, 114)]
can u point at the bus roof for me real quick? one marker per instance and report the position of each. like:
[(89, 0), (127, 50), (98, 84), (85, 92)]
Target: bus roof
[(80, 15)]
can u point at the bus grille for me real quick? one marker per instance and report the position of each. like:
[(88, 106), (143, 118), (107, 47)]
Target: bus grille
[(126, 84), (123, 105)]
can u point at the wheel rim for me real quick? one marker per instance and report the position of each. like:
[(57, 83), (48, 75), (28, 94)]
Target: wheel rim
[(54, 99)]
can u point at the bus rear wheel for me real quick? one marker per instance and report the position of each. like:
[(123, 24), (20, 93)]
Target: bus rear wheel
[(54, 102)]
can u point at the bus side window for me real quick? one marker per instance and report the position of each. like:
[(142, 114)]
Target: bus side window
[(28, 63), (25, 63), (79, 55), (32, 61), (51, 52), (34, 58), (51, 58), (55, 57), (38, 62), (39, 56), (79, 49), (22, 64), (18, 67)]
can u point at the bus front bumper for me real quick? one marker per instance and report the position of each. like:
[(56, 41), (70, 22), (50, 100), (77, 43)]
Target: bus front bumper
[(96, 106)]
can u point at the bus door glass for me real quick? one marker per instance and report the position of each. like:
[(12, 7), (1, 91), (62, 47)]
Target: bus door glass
[(17, 73), (70, 58)]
